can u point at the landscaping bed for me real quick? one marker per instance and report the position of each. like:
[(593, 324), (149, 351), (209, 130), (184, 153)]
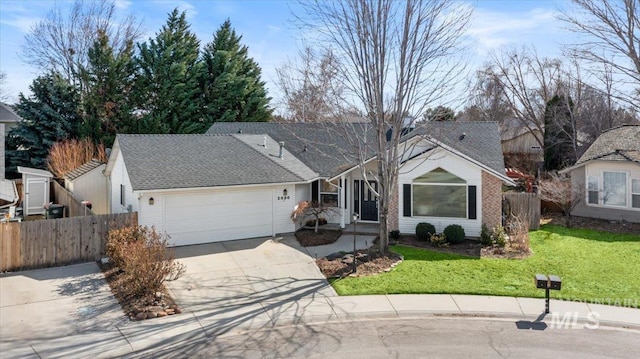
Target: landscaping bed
[(159, 305), (308, 238), (368, 263)]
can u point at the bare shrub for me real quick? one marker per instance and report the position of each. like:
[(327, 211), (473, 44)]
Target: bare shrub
[(557, 188), (142, 255), (518, 231), (306, 210), (68, 155)]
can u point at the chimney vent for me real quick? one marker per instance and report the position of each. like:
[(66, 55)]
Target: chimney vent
[(281, 150), (264, 142)]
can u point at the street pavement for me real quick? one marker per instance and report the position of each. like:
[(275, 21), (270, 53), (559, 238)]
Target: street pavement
[(232, 289)]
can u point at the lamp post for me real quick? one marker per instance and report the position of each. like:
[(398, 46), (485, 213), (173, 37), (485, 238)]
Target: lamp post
[(355, 217)]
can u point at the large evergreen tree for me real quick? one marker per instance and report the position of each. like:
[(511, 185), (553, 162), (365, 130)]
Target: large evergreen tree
[(167, 92), (50, 115), (559, 129), (108, 80), (230, 82)]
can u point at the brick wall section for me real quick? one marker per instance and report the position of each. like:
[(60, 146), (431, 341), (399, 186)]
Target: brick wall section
[(393, 209), (491, 200)]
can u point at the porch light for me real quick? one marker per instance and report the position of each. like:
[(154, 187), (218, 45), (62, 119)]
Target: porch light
[(151, 201), (284, 193)]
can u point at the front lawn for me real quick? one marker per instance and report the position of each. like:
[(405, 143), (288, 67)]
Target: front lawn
[(594, 266)]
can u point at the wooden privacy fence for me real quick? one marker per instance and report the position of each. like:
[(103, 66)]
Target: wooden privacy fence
[(73, 207), (56, 242), (523, 205)]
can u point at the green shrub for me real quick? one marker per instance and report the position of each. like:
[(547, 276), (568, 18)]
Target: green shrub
[(499, 236), (454, 233), (395, 234), (485, 236), (424, 230), (439, 240)]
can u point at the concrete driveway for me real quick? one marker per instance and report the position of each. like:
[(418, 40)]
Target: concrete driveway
[(45, 304), (239, 284)]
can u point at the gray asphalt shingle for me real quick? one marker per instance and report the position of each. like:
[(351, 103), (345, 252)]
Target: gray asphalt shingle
[(193, 161), (617, 144), (325, 144)]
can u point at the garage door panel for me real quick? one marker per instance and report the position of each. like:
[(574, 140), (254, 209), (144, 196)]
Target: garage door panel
[(214, 217)]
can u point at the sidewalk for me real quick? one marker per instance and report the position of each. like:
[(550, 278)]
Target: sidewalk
[(159, 333)]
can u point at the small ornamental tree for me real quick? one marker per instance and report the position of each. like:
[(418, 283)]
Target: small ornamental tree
[(306, 210), (557, 188)]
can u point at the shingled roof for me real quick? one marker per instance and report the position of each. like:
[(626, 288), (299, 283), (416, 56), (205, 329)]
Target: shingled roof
[(82, 170), (319, 146), (7, 115), (617, 144), (192, 161), (322, 147)]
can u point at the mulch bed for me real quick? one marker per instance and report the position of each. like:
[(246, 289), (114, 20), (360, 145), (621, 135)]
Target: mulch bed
[(159, 305), (308, 238), (368, 263)]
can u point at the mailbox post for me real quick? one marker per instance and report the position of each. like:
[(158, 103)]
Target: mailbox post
[(551, 282)]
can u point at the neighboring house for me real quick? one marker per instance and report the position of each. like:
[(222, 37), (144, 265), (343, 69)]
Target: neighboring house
[(243, 180), (8, 120), (517, 138), (608, 174), (88, 183)]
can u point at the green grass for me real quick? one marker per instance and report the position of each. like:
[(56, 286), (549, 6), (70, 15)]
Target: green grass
[(594, 266)]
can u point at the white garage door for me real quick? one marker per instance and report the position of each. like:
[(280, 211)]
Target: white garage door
[(215, 217)]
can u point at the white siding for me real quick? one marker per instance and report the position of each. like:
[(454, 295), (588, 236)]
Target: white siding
[(283, 207), (92, 187), (120, 176), (460, 167), (216, 214), (595, 169)]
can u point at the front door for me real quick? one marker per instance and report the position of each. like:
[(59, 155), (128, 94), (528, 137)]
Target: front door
[(365, 201)]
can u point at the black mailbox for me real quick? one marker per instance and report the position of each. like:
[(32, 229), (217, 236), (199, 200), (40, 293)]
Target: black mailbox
[(541, 281), (555, 282)]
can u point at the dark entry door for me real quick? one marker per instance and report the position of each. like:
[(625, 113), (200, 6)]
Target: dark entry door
[(365, 202)]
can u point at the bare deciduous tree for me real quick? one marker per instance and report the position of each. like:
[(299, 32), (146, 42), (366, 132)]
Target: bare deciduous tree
[(557, 188), (62, 40), (396, 58), (4, 96), (310, 85), (611, 30), (523, 83)]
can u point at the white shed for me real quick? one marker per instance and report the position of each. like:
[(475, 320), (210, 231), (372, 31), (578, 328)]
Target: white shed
[(35, 189), (88, 183)]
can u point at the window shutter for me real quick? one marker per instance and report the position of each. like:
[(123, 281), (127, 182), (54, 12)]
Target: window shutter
[(406, 200), (473, 212), (343, 184), (314, 190)]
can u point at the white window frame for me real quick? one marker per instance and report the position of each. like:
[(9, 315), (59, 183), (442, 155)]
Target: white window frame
[(465, 184), (626, 192), (634, 193), (329, 193), (597, 189)]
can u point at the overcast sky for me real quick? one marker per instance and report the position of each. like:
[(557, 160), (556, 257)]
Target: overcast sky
[(268, 32)]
